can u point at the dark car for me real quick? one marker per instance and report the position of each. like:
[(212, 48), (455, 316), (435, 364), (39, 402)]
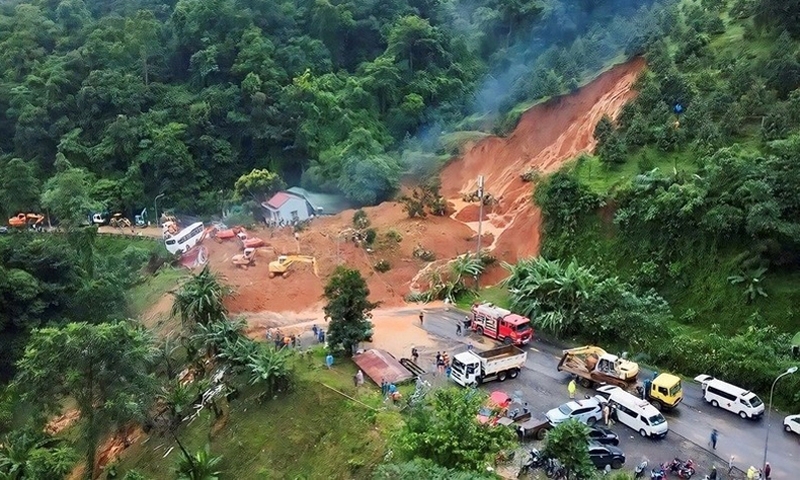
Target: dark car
[(603, 455), (603, 436)]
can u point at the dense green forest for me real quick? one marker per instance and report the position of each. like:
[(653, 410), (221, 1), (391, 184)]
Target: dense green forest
[(133, 99), (683, 231)]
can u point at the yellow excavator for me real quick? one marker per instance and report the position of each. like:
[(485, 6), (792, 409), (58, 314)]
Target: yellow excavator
[(282, 264), (245, 259)]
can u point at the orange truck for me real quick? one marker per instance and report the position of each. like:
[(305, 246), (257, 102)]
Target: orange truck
[(500, 324)]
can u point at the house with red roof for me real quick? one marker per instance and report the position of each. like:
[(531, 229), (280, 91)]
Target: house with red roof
[(286, 208), (296, 204)]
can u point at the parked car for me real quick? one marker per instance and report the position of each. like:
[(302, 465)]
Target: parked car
[(587, 411), (792, 424), (603, 436), (603, 455)]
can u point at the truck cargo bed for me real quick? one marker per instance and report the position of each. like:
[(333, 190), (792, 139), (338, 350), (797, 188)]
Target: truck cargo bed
[(500, 352)]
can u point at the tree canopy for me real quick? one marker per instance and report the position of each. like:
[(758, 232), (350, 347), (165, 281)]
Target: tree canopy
[(103, 368), (187, 97), (446, 431), (348, 308)]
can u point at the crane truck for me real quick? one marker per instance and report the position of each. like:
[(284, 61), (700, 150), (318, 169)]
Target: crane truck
[(594, 367), (473, 368)]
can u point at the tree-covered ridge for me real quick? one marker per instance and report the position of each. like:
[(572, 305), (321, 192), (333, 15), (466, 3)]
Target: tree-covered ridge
[(682, 231), (184, 97)]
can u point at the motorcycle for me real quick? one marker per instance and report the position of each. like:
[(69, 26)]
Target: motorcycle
[(639, 471), (553, 469), (681, 469), (658, 473), (536, 460)]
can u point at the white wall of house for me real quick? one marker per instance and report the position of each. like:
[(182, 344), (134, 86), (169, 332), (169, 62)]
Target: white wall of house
[(294, 209)]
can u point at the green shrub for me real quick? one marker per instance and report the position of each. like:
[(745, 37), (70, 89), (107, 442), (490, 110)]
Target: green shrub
[(360, 219), (382, 266), (369, 236), (394, 236)]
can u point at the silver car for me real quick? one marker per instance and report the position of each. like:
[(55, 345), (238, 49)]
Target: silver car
[(588, 411)]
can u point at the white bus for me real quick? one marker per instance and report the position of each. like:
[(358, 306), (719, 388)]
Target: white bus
[(185, 239)]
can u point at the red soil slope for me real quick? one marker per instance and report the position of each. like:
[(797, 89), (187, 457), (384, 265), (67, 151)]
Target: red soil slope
[(547, 135)]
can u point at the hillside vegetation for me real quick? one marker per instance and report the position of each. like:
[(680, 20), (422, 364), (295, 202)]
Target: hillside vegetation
[(680, 239), (123, 101)]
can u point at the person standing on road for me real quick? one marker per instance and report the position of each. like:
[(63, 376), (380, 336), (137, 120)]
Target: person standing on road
[(713, 441), (606, 412), (458, 329), (730, 465), (752, 473), (421, 317), (767, 471), (713, 474), (414, 354), (571, 388)]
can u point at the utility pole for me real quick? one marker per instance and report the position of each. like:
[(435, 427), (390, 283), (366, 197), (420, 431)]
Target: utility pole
[(480, 223)]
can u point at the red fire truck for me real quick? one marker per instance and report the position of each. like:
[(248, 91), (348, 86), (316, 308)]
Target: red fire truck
[(501, 324)]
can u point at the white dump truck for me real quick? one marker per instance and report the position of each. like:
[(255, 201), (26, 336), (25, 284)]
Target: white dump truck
[(472, 368)]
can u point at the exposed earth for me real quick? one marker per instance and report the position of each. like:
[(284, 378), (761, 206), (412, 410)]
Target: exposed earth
[(547, 136)]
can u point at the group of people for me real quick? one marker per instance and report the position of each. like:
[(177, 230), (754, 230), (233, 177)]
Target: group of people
[(319, 333), (280, 340), (389, 390)]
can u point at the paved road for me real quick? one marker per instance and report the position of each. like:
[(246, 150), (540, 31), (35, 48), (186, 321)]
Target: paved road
[(543, 387)]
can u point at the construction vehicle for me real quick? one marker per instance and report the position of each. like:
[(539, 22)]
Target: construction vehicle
[(500, 324), (473, 368), (141, 219), (118, 221), (282, 264), (594, 366), (34, 221), (245, 259), (99, 218), (665, 391), (169, 229)]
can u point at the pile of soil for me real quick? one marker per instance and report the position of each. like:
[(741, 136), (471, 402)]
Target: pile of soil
[(254, 291)]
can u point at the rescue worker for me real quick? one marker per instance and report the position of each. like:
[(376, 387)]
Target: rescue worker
[(571, 388)]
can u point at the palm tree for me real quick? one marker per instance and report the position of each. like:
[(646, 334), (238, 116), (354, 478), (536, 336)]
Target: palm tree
[(200, 466), (217, 334), (270, 367), (162, 355), (177, 397), (199, 301), (18, 455)]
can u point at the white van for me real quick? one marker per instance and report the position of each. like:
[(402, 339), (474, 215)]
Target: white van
[(185, 239), (721, 394), (636, 413)]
